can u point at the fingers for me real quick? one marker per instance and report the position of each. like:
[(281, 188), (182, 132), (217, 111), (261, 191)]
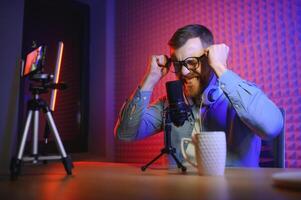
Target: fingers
[(217, 51), (158, 65), (206, 52), (161, 60), (216, 46), (217, 57)]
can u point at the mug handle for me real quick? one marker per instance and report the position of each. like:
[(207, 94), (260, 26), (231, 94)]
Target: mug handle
[(187, 140)]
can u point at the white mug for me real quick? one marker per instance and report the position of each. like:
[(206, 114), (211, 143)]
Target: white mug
[(210, 152)]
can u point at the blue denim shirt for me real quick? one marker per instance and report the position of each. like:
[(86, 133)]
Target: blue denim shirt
[(241, 110)]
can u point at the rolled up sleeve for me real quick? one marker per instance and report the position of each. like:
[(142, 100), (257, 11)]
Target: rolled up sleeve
[(137, 119)]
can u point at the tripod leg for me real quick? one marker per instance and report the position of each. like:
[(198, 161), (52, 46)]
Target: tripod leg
[(15, 168), (46, 132), (35, 136), (143, 168), (68, 165), (25, 134), (15, 164), (46, 137), (65, 159), (56, 134), (179, 164)]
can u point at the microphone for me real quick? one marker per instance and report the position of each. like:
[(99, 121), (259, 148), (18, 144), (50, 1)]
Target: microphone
[(177, 107)]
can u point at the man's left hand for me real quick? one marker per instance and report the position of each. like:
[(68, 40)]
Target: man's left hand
[(217, 57)]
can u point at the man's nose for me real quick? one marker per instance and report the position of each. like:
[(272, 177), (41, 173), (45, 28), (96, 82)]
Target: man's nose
[(184, 71)]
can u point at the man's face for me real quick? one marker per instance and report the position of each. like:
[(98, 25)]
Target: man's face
[(192, 48)]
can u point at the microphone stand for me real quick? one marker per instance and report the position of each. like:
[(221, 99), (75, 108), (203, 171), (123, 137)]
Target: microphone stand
[(168, 149)]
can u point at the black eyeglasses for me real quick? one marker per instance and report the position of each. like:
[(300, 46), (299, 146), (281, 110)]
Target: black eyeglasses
[(191, 63)]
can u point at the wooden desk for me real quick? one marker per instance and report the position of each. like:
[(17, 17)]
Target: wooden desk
[(97, 180)]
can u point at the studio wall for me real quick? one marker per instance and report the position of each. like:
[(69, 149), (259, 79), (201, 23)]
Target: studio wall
[(264, 39), (11, 24)]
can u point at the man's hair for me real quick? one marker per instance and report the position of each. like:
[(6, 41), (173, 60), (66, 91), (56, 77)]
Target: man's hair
[(185, 33)]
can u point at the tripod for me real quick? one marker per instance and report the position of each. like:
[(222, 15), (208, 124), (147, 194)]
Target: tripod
[(35, 105), (168, 149)]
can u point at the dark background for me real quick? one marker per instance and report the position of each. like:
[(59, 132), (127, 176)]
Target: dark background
[(83, 26), (47, 23)]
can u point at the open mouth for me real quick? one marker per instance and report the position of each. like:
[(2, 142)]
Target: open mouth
[(186, 79)]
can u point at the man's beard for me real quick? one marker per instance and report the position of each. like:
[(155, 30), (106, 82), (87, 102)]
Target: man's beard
[(195, 83), (192, 85)]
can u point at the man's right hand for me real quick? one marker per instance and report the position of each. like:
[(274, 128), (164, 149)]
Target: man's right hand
[(155, 71)]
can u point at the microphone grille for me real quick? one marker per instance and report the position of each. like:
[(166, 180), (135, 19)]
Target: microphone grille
[(174, 91)]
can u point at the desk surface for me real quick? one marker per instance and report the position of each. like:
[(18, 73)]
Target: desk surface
[(95, 180)]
